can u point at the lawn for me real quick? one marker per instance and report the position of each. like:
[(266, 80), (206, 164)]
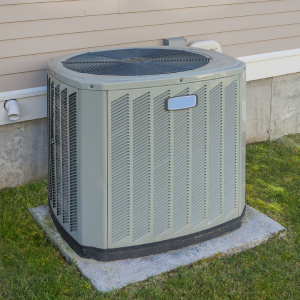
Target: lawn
[(32, 268)]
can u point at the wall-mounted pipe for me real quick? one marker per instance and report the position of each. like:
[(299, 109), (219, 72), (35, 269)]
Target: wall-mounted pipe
[(208, 45), (32, 103), (13, 109)]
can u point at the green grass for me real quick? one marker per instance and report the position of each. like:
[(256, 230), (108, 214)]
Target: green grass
[(32, 267)]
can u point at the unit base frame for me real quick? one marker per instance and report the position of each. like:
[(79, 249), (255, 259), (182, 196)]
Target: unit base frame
[(147, 249)]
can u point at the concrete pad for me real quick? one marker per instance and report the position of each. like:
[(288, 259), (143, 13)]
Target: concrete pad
[(105, 276)]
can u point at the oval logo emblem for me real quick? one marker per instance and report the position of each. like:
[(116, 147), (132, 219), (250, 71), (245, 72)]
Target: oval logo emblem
[(181, 102)]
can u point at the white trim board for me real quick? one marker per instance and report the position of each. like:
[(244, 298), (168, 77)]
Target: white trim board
[(272, 64), (33, 102), (18, 94)]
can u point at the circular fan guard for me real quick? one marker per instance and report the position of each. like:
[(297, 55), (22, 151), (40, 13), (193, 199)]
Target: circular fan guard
[(136, 62)]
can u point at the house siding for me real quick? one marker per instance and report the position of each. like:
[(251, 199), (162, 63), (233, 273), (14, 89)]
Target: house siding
[(33, 31)]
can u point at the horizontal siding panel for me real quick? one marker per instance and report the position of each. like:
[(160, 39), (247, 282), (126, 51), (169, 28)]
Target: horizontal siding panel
[(262, 47), (261, 21), (8, 2), (21, 64), (38, 78), (193, 3), (22, 47), (56, 10), (235, 10), (33, 31), (248, 36), (22, 81), (17, 30), (146, 5), (9, 48), (37, 62)]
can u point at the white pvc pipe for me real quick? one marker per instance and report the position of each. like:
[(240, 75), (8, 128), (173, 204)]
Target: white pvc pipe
[(208, 45), (13, 109)]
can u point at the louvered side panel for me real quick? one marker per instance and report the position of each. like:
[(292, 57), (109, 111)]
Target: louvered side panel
[(62, 155), (199, 158), (51, 147), (48, 137), (73, 160), (120, 168), (49, 140), (141, 166), (181, 120), (171, 173), (65, 155), (230, 148), (49, 121), (162, 165), (58, 162), (215, 152)]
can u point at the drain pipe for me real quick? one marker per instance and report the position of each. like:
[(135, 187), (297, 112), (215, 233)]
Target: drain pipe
[(13, 109)]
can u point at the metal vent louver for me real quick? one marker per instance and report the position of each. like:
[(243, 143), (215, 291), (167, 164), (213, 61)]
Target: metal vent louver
[(141, 166), (215, 151), (120, 137), (62, 158), (199, 161), (230, 148), (135, 62), (181, 166), (162, 165), (188, 157), (73, 160)]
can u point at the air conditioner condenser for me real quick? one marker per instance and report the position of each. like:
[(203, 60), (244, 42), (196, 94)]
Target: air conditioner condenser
[(146, 149)]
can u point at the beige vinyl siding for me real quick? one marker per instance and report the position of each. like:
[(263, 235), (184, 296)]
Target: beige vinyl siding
[(37, 61), (146, 5), (143, 5), (21, 81), (31, 32), (5, 2), (56, 10), (262, 46), (228, 13)]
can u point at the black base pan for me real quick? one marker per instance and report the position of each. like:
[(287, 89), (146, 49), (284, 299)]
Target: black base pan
[(147, 249)]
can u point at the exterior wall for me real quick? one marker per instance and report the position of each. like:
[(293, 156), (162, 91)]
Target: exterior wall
[(33, 31), (273, 107), (23, 152), (273, 110)]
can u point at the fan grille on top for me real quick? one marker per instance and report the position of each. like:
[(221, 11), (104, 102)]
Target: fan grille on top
[(135, 62)]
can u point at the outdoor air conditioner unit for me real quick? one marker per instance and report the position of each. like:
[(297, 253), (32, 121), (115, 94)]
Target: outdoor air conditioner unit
[(146, 149)]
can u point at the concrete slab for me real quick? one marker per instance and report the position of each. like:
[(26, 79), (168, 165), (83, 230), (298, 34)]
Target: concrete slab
[(105, 276)]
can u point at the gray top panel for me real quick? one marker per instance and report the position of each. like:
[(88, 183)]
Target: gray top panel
[(217, 65), (136, 62)]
